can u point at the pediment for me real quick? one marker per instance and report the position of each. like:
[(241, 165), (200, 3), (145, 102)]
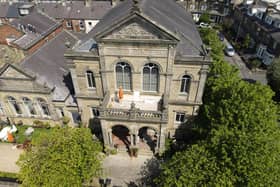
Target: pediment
[(12, 72), (137, 29)]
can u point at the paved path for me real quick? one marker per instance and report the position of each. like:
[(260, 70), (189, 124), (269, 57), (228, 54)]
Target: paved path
[(122, 169), (8, 158)]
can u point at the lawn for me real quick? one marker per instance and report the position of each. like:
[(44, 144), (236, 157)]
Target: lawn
[(20, 137)]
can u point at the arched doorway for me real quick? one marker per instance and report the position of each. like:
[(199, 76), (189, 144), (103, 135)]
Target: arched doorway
[(121, 137), (148, 138)]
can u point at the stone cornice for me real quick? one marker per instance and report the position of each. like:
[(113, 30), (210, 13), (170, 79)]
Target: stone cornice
[(74, 55)]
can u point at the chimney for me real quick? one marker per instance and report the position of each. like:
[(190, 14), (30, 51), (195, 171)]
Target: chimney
[(88, 3), (63, 2)]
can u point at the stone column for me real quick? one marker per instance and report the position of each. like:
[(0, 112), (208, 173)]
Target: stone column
[(169, 70), (201, 84), (104, 133), (103, 68), (131, 139), (110, 137), (162, 139)]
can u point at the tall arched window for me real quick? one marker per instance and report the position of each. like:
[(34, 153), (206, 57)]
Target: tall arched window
[(14, 104), (123, 75), (2, 111), (44, 107), (29, 106), (150, 77), (185, 84), (90, 79)]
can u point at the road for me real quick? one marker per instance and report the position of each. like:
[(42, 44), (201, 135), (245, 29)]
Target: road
[(245, 73)]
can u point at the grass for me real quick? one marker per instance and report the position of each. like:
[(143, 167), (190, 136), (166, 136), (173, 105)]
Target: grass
[(21, 137)]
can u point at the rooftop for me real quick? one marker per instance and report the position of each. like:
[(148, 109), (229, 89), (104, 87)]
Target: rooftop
[(49, 65), (173, 19), (76, 9)]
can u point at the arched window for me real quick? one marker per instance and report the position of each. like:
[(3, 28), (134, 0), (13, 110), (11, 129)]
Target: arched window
[(123, 75), (29, 106), (14, 104), (185, 84), (44, 107), (2, 111), (90, 79), (150, 77)]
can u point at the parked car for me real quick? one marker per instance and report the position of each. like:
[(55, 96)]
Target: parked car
[(221, 36), (229, 50), (204, 25)]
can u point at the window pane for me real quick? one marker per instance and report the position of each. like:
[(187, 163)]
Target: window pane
[(146, 78), (90, 79), (150, 77), (123, 75), (185, 84)]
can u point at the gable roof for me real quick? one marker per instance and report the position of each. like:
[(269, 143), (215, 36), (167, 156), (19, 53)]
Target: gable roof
[(76, 10), (164, 13), (42, 23), (49, 65), (12, 72)]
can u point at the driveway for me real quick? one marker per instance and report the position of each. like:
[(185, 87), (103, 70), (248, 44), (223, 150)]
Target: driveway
[(8, 157), (124, 170)]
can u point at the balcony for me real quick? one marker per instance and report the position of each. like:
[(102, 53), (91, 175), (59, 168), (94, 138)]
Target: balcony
[(133, 108)]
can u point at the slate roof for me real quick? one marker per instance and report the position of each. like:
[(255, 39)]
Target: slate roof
[(4, 7), (166, 13), (76, 10), (49, 65), (42, 23)]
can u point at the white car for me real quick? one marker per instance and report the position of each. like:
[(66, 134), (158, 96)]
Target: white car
[(229, 50), (204, 25)]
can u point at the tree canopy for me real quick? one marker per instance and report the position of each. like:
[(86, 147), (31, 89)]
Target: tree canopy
[(239, 136), (273, 77), (63, 157)]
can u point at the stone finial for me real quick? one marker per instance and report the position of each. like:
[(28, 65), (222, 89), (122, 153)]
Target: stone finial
[(132, 106), (135, 7)]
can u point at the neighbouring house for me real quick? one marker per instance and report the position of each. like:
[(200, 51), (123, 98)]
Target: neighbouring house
[(9, 33), (39, 88), (38, 29), (261, 20), (217, 10), (154, 57), (79, 16)]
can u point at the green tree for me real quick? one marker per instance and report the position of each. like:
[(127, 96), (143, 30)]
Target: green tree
[(205, 18), (246, 42), (273, 77), (63, 157), (239, 136)]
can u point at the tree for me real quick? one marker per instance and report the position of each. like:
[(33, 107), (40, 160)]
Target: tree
[(63, 157), (246, 42), (239, 136), (205, 18), (273, 77)]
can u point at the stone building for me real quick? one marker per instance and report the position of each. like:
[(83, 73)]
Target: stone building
[(153, 51)]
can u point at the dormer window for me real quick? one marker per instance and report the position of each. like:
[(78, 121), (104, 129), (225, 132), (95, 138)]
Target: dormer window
[(259, 15), (268, 20)]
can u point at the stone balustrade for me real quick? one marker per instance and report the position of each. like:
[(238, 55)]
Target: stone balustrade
[(133, 114)]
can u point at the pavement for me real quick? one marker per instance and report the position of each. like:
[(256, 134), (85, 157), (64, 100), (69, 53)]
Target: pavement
[(8, 157), (245, 73), (124, 170)]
